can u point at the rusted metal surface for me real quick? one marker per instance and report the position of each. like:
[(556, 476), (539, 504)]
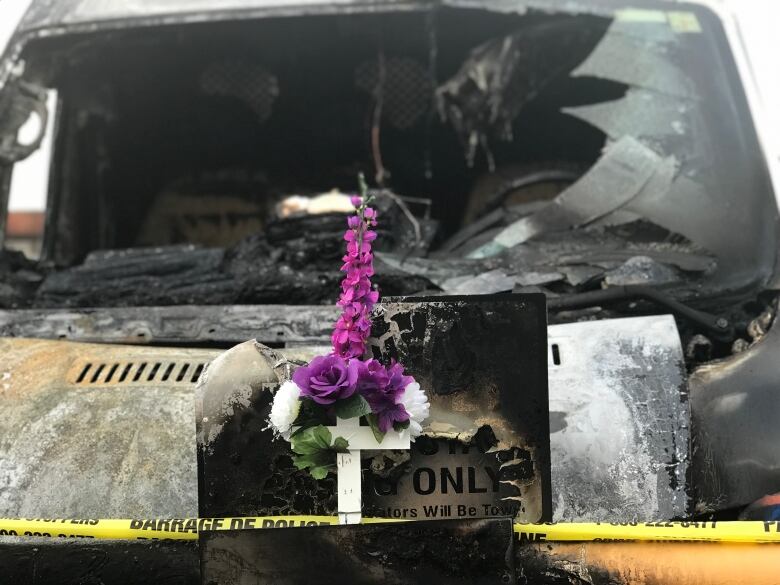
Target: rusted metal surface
[(649, 563), (97, 431)]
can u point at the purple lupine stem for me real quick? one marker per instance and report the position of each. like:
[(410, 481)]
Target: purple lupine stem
[(351, 331)]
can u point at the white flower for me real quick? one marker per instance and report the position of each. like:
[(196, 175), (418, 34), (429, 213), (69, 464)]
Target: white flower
[(285, 408), (416, 404)]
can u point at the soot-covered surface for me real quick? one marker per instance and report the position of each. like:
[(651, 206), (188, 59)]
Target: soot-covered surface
[(453, 552), (72, 561)]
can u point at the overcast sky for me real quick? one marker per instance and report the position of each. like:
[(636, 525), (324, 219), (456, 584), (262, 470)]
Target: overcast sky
[(758, 21)]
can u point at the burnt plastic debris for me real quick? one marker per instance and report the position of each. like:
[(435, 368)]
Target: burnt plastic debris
[(20, 100), (504, 74), (293, 261), (486, 453), (734, 411), (455, 552)]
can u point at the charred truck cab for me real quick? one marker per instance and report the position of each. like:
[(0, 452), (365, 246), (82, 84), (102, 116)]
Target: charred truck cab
[(603, 153)]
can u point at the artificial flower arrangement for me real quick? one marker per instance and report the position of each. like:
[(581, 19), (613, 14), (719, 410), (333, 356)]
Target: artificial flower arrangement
[(348, 382)]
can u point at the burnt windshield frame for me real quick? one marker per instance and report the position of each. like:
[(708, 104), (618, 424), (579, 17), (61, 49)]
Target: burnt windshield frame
[(745, 204)]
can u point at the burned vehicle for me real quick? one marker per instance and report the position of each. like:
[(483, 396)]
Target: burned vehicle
[(601, 153)]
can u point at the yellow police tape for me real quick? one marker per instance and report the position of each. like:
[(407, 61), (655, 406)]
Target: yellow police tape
[(188, 528)]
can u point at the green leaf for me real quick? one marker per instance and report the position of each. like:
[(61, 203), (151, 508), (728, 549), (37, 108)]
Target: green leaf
[(401, 426), (373, 422), (320, 472), (318, 467), (302, 462), (311, 440), (340, 445), (353, 407), (314, 452)]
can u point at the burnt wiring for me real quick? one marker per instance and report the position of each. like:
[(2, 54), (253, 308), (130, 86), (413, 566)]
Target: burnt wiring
[(376, 123), (720, 327), (408, 214)]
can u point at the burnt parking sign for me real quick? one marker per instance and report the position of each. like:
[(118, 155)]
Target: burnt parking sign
[(485, 453), (483, 362)]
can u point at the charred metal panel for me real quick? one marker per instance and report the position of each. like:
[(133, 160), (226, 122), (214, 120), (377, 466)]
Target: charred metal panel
[(453, 552), (574, 256), (242, 470), (270, 324), (466, 352), (67, 15), (735, 409), (95, 431), (619, 418), (628, 346), (72, 561)]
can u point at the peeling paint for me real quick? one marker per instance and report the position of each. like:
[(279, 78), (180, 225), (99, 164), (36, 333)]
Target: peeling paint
[(621, 387)]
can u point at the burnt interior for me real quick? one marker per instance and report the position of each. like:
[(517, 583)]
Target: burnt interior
[(216, 123)]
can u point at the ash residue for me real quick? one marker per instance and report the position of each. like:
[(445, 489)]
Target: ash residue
[(476, 551), (291, 492)]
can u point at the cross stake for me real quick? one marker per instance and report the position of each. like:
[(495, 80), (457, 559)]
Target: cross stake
[(348, 464)]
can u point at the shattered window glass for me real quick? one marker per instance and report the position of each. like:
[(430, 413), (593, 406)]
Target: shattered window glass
[(679, 155)]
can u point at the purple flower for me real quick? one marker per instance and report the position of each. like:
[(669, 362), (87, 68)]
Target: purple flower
[(389, 387), (383, 389), (327, 379), (391, 414), (397, 381), (372, 378)]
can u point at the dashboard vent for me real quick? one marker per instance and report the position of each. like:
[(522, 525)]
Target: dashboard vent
[(136, 373)]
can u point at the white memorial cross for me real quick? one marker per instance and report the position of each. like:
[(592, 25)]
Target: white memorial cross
[(348, 464)]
